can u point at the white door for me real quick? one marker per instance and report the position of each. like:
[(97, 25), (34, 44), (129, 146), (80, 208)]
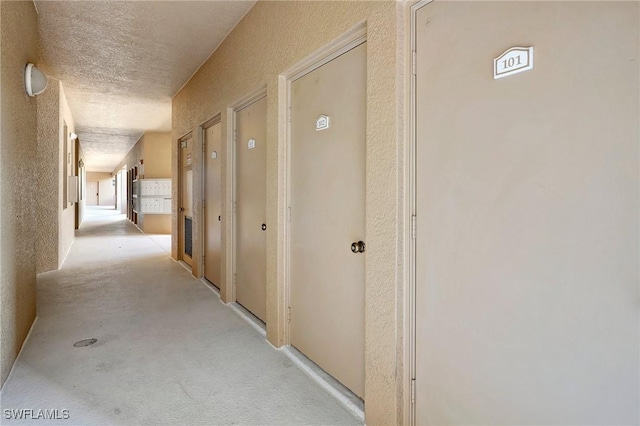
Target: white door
[(213, 203), (92, 193), (527, 215), (251, 205), (328, 216)]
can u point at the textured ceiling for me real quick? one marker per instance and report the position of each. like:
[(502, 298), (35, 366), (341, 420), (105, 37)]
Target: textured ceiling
[(121, 62)]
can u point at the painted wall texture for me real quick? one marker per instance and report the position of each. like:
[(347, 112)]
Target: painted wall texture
[(271, 38), (19, 40), (157, 155), (155, 149), (48, 176), (56, 223), (133, 156), (66, 216)]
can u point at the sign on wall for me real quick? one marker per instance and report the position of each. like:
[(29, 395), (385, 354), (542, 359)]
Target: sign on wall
[(322, 122), (513, 61)]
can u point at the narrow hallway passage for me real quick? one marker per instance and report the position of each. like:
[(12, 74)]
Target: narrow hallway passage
[(167, 351)]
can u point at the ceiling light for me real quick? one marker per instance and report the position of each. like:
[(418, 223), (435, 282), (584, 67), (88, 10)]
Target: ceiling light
[(35, 81)]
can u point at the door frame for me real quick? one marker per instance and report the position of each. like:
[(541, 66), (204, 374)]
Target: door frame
[(122, 175), (410, 174), (202, 129), (349, 40), (180, 253), (230, 189), (77, 170)]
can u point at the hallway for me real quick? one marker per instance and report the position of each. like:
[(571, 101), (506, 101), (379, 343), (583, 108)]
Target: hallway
[(393, 212), (167, 350)]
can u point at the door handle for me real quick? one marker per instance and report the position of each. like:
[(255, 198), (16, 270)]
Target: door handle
[(264, 226), (181, 209), (219, 219), (358, 247)]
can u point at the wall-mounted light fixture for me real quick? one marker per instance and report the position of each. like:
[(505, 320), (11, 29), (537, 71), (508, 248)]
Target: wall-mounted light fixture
[(35, 81)]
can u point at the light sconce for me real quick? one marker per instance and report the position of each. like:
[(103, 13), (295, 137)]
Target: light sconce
[(35, 81)]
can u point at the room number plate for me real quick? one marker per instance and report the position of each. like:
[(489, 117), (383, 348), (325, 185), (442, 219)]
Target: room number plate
[(513, 61), (322, 122)]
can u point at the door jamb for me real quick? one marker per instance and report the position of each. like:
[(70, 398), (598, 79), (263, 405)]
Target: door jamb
[(203, 229), (230, 209), (349, 40), (77, 173), (409, 328), (180, 228)]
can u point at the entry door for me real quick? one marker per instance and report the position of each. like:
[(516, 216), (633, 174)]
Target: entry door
[(251, 215), (186, 201), (122, 188), (328, 216), (213, 204), (527, 215), (92, 193)]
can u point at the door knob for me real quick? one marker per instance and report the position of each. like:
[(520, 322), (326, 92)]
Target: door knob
[(264, 226), (181, 209), (358, 247), (219, 219)]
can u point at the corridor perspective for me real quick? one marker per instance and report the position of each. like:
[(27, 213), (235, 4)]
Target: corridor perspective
[(381, 212), (167, 351)]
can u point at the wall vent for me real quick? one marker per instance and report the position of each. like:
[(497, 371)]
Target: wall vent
[(188, 236)]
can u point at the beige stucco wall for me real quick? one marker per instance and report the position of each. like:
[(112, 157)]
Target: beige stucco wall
[(66, 216), (133, 156), (271, 38), (19, 45), (155, 149), (157, 155), (48, 176), (56, 224)]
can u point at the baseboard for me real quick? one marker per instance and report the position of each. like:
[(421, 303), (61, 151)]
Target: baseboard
[(64, 258), (252, 320), (211, 287), (343, 395), (336, 389), (15, 362)]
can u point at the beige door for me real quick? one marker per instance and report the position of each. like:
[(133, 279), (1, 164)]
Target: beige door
[(527, 215), (122, 188), (213, 206), (186, 201), (92, 193), (251, 217), (328, 216)]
